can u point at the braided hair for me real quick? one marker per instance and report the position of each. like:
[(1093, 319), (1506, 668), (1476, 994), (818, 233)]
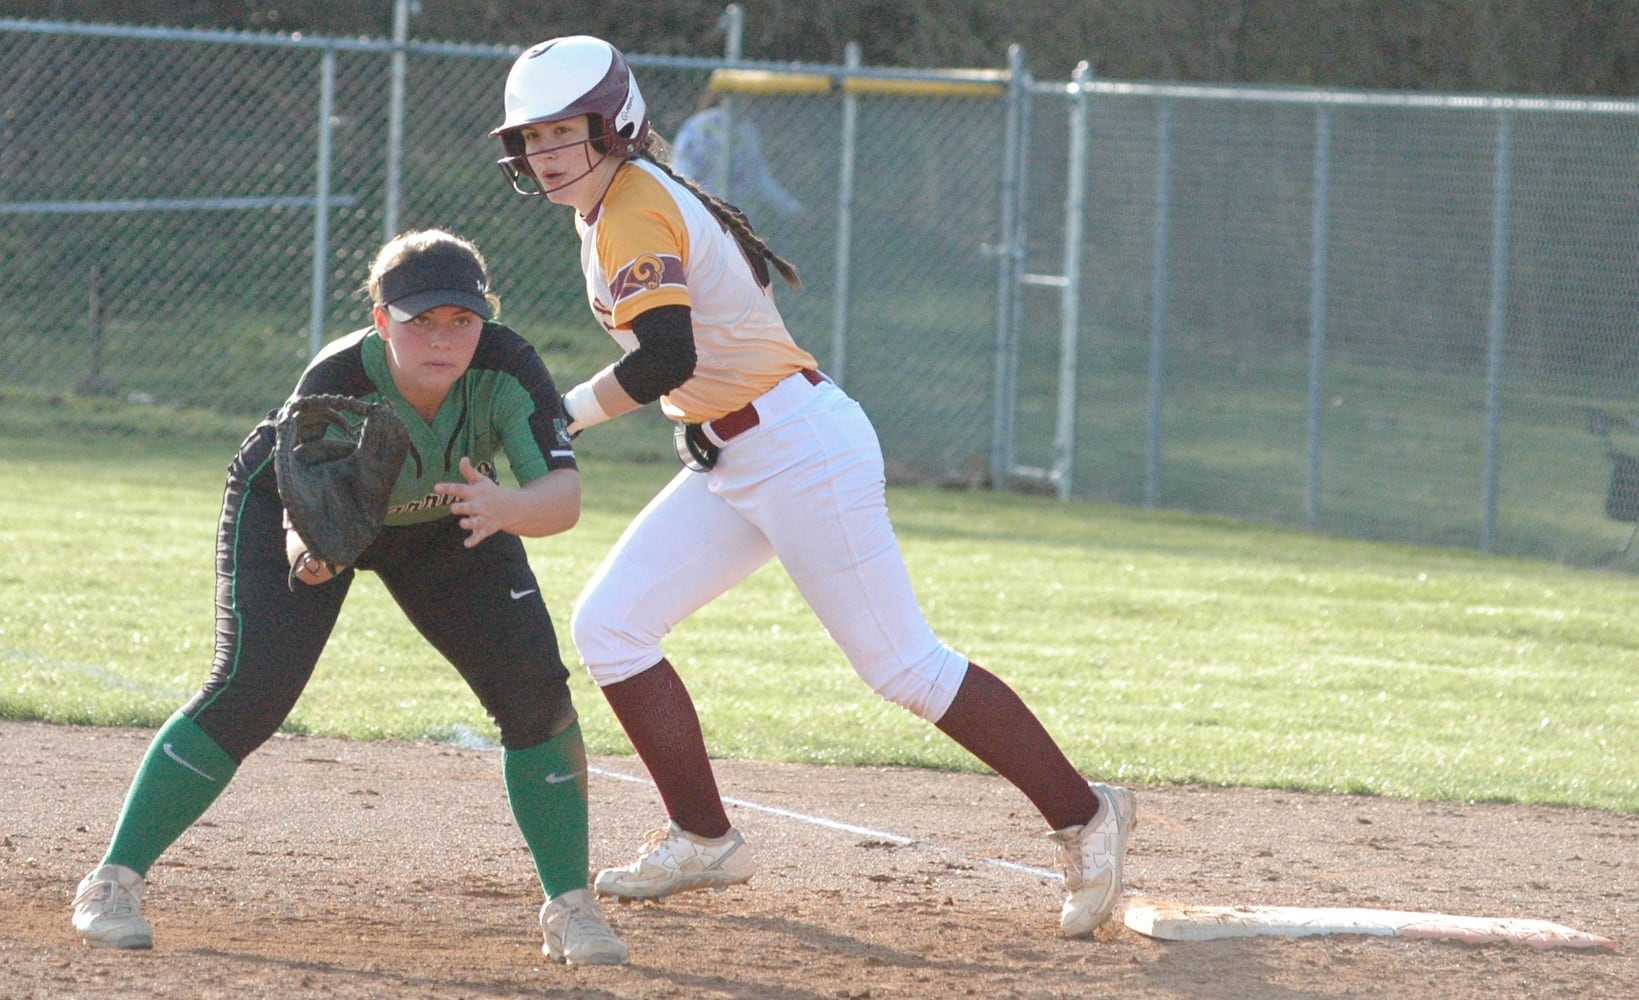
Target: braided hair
[(658, 151)]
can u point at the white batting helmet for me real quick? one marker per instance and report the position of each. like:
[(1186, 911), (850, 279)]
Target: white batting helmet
[(576, 75)]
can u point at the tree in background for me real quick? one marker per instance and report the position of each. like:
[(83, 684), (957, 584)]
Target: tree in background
[(1489, 46)]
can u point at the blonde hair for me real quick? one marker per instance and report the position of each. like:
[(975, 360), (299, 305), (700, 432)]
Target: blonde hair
[(413, 244)]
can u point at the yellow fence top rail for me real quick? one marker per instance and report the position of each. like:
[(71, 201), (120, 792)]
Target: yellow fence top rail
[(959, 83)]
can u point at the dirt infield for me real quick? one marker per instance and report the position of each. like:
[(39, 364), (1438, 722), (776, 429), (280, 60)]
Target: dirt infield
[(351, 870)]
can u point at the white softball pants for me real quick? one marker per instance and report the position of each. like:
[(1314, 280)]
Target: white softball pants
[(806, 485)]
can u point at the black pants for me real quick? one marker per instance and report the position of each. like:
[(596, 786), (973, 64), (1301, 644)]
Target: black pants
[(481, 608)]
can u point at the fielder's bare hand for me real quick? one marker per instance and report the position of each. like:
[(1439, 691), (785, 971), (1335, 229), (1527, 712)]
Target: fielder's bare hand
[(304, 566), (543, 506)]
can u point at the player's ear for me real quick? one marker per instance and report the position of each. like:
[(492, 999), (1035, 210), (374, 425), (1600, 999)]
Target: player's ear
[(379, 315)]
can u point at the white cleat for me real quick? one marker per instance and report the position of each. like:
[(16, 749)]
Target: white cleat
[(108, 909), (675, 860), (1091, 856), (577, 933)]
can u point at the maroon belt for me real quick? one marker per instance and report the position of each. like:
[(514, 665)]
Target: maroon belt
[(734, 424)]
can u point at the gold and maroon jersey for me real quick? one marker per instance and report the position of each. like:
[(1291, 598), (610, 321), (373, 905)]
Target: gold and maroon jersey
[(653, 243)]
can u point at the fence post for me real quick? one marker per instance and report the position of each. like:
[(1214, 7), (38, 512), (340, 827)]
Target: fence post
[(321, 201), (1496, 328), (1161, 251), (1075, 200), (838, 368), (395, 123), (94, 317), (1319, 225), (733, 24), (1009, 260)]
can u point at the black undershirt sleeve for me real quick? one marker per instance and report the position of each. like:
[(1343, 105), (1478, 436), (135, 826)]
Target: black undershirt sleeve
[(664, 357)]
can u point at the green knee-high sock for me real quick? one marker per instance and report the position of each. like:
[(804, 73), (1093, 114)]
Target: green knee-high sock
[(546, 786), (181, 775)]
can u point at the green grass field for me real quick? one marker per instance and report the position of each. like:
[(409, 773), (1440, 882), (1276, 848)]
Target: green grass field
[(1156, 647)]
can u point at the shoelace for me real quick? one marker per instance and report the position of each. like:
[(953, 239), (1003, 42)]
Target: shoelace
[(582, 920), (1069, 861), (657, 840), (1072, 858), (113, 899)]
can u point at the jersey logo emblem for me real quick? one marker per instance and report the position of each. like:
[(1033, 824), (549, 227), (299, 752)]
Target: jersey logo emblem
[(645, 274)]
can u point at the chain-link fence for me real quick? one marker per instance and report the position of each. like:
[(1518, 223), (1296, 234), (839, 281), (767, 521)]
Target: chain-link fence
[(1385, 315), (1376, 315)]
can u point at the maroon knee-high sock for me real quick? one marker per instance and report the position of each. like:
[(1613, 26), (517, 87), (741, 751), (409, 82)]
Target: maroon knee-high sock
[(659, 718), (993, 723)]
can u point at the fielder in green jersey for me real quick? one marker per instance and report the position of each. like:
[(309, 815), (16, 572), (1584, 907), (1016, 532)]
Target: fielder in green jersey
[(470, 391)]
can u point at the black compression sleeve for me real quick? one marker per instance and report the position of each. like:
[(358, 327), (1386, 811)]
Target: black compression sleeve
[(664, 358)]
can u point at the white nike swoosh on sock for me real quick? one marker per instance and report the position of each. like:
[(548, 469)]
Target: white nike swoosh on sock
[(174, 756)]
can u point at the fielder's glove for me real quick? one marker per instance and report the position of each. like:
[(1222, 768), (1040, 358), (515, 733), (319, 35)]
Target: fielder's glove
[(336, 459)]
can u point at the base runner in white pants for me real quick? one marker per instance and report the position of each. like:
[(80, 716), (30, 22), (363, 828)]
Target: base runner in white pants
[(779, 462)]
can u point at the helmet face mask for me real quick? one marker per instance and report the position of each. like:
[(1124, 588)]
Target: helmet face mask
[(562, 78), (515, 166)]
